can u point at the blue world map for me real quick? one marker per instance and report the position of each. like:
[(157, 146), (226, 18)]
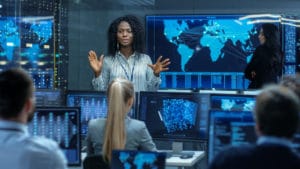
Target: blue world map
[(191, 36), (138, 161), (29, 38)]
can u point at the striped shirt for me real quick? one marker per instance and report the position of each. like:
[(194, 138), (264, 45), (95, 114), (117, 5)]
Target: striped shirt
[(134, 69)]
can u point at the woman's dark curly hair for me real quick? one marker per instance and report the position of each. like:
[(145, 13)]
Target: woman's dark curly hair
[(137, 30), (272, 35)]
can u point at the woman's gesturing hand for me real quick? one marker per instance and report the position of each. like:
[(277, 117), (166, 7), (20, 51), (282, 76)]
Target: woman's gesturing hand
[(160, 65), (95, 63)]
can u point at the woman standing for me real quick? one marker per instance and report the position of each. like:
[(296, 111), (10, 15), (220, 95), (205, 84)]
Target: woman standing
[(266, 63), (126, 58)]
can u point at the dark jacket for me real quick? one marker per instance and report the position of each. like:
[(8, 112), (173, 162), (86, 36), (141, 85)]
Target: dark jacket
[(263, 156), (266, 63)]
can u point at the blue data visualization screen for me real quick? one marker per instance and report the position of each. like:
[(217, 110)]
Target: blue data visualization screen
[(174, 116), (61, 124), (28, 42)]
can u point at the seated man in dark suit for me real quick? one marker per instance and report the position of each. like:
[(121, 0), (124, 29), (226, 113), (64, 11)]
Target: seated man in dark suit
[(276, 114)]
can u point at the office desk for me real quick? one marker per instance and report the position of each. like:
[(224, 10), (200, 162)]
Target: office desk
[(179, 162), (173, 161)]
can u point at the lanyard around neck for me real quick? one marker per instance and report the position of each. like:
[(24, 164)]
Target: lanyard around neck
[(125, 71)]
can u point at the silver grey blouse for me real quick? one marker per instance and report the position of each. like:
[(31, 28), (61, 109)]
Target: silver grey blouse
[(135, 69)]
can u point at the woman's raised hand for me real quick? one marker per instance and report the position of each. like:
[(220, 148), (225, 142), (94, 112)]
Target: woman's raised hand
[(95, 63), (160, 65)]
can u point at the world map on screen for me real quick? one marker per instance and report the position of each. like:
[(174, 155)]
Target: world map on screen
[(199, 43), (26, 38), (221, 37), (127, 159)]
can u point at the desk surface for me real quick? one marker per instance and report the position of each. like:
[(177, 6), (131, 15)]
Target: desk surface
[(177, 161)]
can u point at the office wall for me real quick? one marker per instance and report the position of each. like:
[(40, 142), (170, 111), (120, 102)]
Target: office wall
[(89, 20)]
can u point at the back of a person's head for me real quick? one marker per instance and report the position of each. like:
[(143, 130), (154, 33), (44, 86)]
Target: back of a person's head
[(15, 88), (292, 82), (120, 91), (277, 111)]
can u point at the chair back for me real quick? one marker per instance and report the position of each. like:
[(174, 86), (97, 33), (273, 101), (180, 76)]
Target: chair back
[(95, 162)]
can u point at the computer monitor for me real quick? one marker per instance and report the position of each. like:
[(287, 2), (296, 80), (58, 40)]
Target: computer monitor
[(229, 128), (93, 105), (211, 51), (61, 124), (237, 102), (29, 42), (130, 159), (172, 115), (49, 97)]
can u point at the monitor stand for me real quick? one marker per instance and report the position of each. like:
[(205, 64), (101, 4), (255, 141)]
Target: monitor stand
[(177, 149)]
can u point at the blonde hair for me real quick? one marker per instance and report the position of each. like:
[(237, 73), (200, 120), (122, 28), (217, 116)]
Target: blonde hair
[(119, 92)]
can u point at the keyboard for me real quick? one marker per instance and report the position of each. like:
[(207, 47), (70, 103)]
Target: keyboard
[(184, 154)]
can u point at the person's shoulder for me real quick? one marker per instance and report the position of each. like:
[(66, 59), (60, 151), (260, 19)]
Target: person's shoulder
[(135, 122), (41, 144), (233, 152), (261, 51), (261, 48), (108, 58), (96, 122), (142, 55), (277, 149), (44, 151), (234, 157)]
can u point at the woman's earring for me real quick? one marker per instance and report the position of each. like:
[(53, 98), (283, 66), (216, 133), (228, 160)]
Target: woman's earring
[(117, 45)]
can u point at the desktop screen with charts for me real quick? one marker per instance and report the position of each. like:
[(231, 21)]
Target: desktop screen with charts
[(62, 125), (93, 105), (229, 128), (174, 116), (232, 102)]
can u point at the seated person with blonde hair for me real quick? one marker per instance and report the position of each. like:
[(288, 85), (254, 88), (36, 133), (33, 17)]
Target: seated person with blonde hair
[(118, 131)]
